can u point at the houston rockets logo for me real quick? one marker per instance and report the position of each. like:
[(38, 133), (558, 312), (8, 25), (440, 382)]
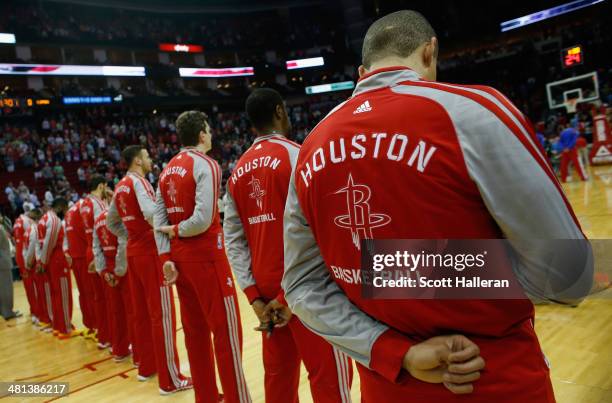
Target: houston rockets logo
[(105, 237), (258, 193), (360, 219), (172, 191), (122, 205)]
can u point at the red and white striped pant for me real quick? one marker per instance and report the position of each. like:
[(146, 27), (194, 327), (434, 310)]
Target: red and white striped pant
[(209, 305), (155, 322), (61, 293)]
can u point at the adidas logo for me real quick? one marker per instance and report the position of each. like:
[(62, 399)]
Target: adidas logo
[(364, 107)]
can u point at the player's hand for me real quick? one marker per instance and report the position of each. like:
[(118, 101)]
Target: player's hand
[(170, 273), (110, 278), (167, 229), (68, 259), (452, 360), (91, 268), (280, 314), (25, 274), (258, 307)]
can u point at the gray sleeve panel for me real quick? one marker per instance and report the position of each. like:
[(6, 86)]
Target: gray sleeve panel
[(160, 218), (205, 200), (98, 253), (48, 243), (146, 203), (113, 221), (292, 150), (519, 194), (121, 257), (97, 210), (37, 246), (65, 244), (30, 251), (313, 295), (236, 245)]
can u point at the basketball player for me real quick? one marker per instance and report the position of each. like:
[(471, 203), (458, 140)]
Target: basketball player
[(131, 214), (75, 251), (54, 263), (253, 229), (91, 207), (190, 243), (111, 265), (20, 228), (408, 158), (41, 279), (30, 239), (567, 146)]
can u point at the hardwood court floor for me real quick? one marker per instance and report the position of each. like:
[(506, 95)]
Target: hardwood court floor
[(577, 341)]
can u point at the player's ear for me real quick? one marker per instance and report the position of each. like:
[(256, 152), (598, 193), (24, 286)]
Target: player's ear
[(362, 71), (430, 51), (279, 112)]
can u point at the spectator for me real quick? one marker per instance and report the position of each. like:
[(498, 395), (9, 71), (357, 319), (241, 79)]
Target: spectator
[(6, 275), (47, 173), (58, 170), (48, 197)]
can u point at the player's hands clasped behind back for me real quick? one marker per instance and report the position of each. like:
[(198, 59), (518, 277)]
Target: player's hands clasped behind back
[(270, 315), (454, 361)]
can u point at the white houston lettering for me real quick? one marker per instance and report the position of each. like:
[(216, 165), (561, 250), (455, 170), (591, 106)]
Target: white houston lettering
[(397, 147), (332, 151), (174, 170), (402, 148), (261, 162)]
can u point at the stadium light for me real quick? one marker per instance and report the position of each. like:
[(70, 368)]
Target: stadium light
[(318, 89), (70, 70), (546, 14), (224, 72), (180, 47), (303, 63), (86, 100), (7, 38)]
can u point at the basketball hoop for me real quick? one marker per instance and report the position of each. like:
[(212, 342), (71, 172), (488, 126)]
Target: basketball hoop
[(570, 105)]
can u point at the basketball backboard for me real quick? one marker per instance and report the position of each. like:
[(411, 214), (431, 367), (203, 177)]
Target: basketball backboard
[(570, 91)]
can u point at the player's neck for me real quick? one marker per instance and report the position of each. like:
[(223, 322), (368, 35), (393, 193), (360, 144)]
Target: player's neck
[(270, 132), (395, 62), (201, 147), (137, 170)]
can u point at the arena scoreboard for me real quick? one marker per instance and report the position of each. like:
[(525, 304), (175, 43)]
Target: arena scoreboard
[(572, 56)]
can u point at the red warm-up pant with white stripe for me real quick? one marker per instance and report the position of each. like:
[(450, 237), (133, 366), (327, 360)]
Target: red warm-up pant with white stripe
[(155, 322), (330, 371), (100, 307), (61, 293), (117, 298), (43, 301), (572, 156), (28, 283), (209, 305), (86, 293)]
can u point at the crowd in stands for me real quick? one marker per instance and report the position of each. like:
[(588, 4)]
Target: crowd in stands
[(71, 22), (90, 142)]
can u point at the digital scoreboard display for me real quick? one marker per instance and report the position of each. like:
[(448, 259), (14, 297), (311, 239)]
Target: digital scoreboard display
[(13, 103), (572, 56)]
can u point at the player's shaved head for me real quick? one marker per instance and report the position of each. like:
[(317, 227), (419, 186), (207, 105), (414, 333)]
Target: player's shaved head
[(397, 34)]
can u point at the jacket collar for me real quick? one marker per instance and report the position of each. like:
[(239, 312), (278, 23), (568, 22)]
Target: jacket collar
[(385, 77), (267, 137)]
